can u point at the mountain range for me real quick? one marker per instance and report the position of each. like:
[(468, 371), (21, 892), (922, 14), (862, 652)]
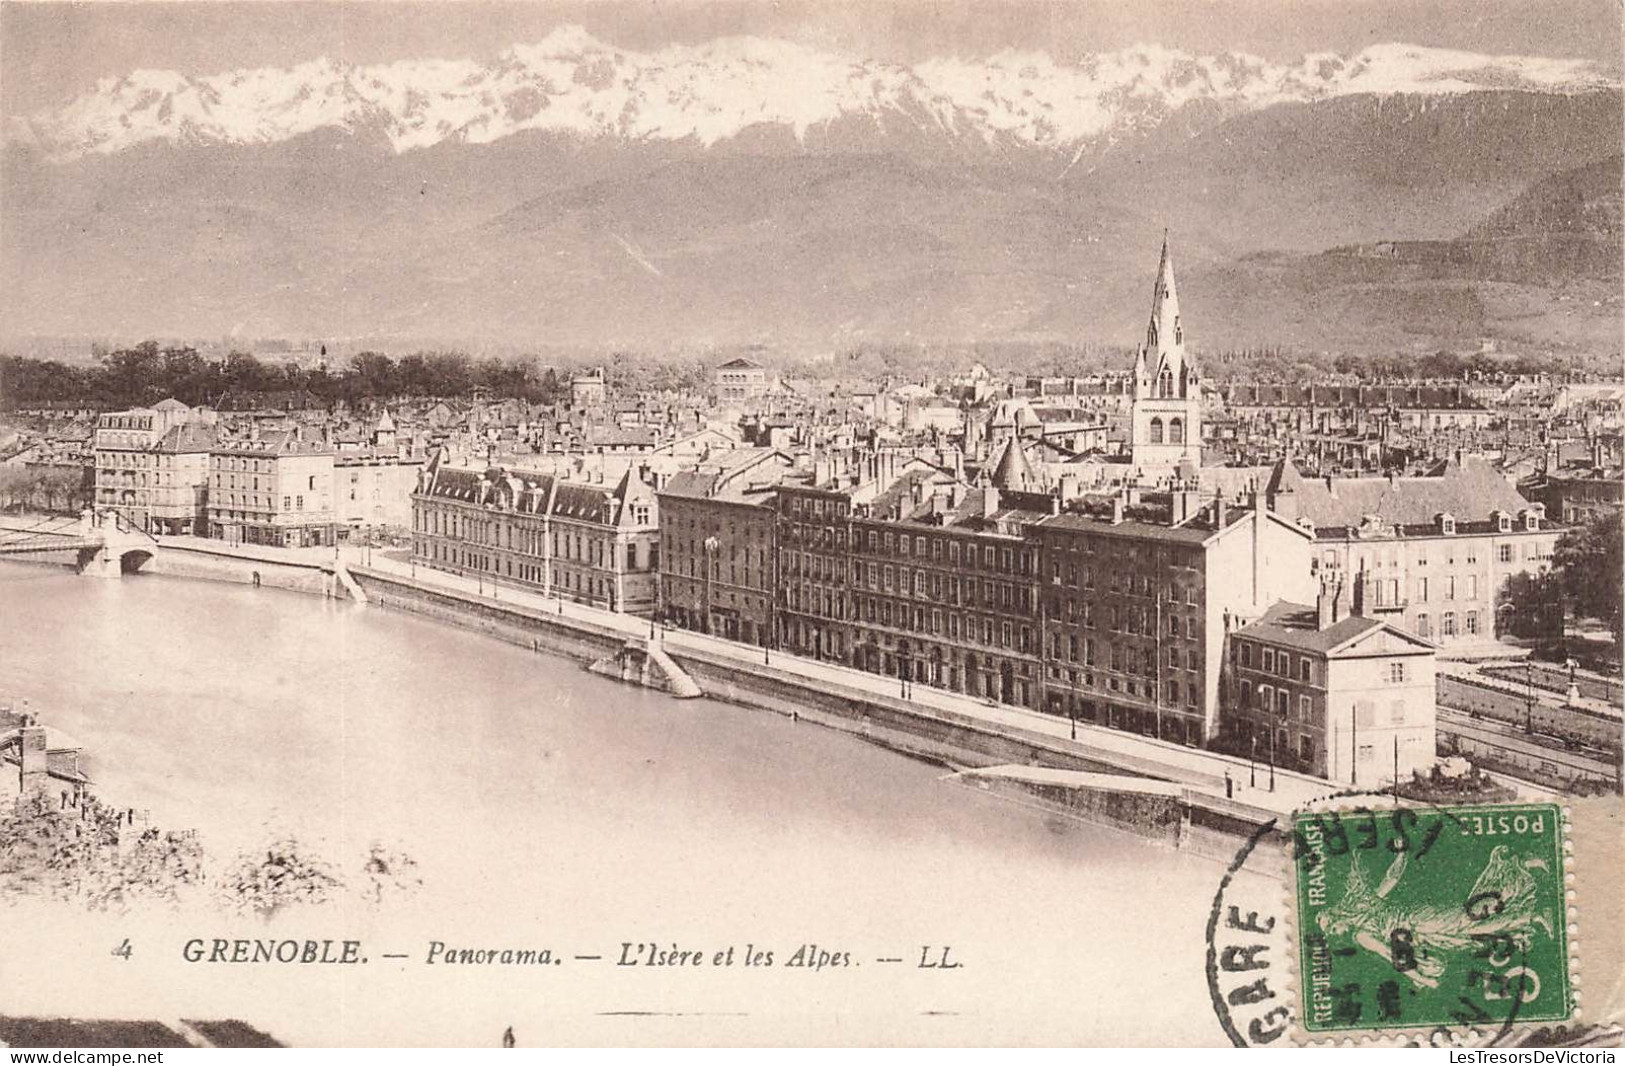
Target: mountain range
[(575, 193)]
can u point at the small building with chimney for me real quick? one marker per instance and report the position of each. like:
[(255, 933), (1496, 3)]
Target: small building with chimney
[(39, 760), (1333, 691)]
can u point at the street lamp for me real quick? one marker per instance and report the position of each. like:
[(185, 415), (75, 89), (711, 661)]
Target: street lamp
[(712, 546), (1528, 697)]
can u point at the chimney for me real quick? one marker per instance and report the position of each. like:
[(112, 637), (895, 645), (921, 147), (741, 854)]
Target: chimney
[(1362, 594), (917, 489), (1187, 500), (821, 471), (990, 501), (1340, 603), (33, 759), (1218, 513), (1117, 510)]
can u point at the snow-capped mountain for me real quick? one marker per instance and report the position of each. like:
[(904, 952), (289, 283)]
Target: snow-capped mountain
[(572, 83)]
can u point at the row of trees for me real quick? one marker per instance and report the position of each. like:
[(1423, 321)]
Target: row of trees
[(55, 490), (86, 854), (145, 374), (1587, 564)]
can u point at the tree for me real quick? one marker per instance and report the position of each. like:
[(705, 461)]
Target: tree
[(389, 873), (286, 874), (1588, 563), (86, 853)]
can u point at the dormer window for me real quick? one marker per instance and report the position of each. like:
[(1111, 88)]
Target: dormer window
[(1503, 522), (1531, 521), (1447, 524)]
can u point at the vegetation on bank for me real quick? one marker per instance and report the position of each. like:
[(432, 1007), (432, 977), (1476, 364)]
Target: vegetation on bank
[(47, 490), (146, 373), (88, 855)]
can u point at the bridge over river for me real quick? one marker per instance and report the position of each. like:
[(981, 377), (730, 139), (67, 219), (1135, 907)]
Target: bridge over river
[(104, 542)]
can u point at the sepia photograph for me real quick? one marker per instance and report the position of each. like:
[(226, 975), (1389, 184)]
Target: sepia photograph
[(718, 523)]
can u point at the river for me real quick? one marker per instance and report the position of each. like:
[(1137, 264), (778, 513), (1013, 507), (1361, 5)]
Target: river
[(546, 807)]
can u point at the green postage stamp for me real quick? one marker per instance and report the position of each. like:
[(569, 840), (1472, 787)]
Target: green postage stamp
[(1413, 917)]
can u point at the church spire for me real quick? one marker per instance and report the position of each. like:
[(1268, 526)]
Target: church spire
[(1164, 332)]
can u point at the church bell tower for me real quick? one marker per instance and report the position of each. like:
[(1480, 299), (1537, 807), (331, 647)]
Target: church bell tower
[(1167, 417)]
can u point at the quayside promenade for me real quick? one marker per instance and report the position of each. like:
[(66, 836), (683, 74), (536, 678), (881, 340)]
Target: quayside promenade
[(1221, 783)]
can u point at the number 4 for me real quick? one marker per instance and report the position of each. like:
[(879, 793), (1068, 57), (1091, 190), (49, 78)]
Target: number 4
[(124, 950)]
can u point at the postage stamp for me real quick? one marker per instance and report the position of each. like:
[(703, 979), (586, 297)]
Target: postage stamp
[(1416, 917)]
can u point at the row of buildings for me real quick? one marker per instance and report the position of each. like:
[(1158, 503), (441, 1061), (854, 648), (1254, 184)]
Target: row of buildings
[(1262, 610), (170, 469)]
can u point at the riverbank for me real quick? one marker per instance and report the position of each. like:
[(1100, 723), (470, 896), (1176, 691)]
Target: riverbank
[(1212, 801), (1100, 776)]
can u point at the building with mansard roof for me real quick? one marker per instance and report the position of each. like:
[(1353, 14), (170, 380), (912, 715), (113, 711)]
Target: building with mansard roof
[(590, 540), (273, 488), (1442, 552), (152, 465)]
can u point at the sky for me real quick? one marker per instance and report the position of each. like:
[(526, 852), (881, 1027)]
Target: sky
[(51, 51)]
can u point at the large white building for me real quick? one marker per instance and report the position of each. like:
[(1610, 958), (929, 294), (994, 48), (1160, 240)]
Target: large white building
[(152, 465)]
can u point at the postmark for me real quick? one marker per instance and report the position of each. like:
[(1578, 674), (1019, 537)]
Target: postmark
[(1424, 917)]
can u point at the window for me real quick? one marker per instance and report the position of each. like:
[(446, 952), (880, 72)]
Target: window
[(1447, 626), (1283, 702), (1396, 712), (1506, 553), (1246, 693), (1424, 627), (1304, 708), (1472, 585), (1365, 714), (1266, 697), (1396, 673), (1269, 660), (1155, 436), (1472, 622)]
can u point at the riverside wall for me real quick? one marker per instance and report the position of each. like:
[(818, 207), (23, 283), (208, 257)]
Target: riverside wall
[(242, 567), (538, 630), (957, 741), (1193, 821)]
